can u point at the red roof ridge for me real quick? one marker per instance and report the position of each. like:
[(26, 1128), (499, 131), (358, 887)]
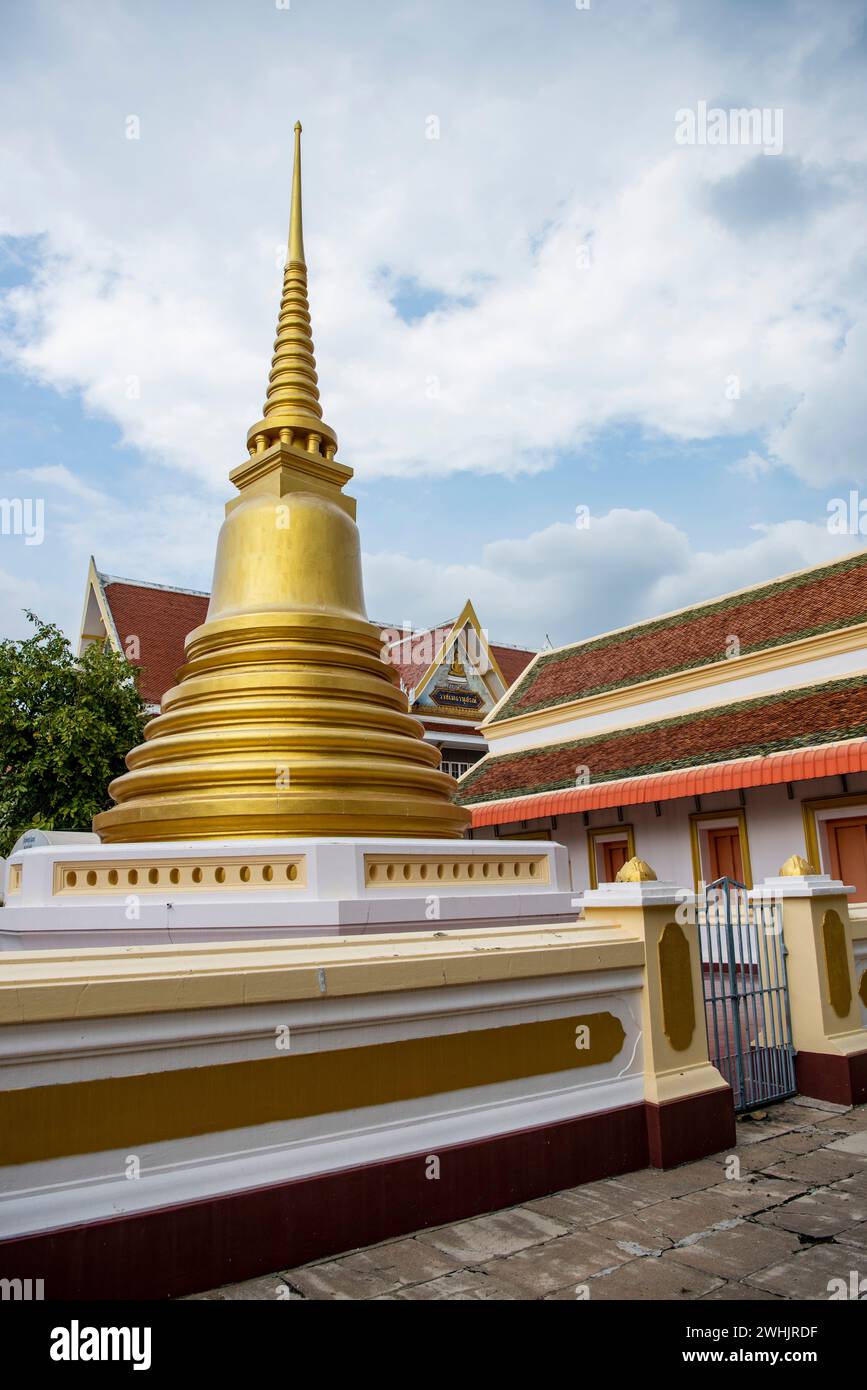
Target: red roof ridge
[(149, 584), (447, 627), (707, 602), (513, 647), (410, 632)]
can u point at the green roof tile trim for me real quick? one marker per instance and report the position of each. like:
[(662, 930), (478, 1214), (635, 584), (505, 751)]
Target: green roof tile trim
[(825, 713), (825, 599)]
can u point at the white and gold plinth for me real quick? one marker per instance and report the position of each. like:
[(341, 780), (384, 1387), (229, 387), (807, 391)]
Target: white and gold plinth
[(212, 890)]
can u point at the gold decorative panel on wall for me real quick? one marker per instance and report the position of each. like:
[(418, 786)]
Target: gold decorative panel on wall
[(675, 974), (836, 963), (42, 1122)]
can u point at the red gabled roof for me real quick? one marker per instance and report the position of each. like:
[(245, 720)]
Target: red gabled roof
[(161, 619), (822, 599), (413, 655), (511, 661)]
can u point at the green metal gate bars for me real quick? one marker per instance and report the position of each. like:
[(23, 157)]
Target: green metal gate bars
[(746, 995)]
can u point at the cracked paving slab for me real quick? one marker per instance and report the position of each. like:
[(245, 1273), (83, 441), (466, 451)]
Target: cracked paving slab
[(821, 1214), (806, 1274), (793, 1221)]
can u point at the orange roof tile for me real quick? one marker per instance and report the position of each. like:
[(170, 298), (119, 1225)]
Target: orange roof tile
[(770, 769)]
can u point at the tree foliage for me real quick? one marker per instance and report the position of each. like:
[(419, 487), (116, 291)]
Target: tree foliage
[(66, 724)]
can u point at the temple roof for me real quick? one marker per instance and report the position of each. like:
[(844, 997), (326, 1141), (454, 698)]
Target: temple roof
[(800, 605), (161, 618), (807, 716), (413, 666)]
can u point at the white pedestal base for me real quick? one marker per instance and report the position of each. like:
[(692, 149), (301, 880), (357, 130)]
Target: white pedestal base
[(213, 890)]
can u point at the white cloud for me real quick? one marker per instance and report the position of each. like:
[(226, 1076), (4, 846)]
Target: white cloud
[(752, 465), (168, 536), (57, 475), (563, 581), (825, 438), (699, 316), (568, 583), (160, 277)]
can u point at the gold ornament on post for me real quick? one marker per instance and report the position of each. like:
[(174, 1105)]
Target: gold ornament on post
[(635, 870), (286, 720), (796, 867)]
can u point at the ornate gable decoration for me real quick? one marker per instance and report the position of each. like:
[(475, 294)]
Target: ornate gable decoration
[(450, 670), (457, 688)]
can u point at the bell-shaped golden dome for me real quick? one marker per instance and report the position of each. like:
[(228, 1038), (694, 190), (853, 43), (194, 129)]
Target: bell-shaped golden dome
[(286, 720)]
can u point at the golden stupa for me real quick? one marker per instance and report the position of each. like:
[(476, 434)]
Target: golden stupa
[(285, 719)]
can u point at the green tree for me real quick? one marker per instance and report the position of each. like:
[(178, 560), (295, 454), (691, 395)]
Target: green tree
[(66, 724)]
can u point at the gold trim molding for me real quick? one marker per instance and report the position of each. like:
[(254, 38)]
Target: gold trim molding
[(596, 832), (43, 1122), (732, 813), (201, 875), (811, 825), (39, 986), (466, 616), (398, 870)]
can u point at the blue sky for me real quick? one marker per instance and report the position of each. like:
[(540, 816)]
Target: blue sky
[(541, 308)]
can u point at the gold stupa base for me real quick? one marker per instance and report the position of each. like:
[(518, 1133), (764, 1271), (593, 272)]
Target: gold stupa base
[(283, 724), (256, 817)]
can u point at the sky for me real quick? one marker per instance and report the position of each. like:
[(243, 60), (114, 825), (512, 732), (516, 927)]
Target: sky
[(593, 351)]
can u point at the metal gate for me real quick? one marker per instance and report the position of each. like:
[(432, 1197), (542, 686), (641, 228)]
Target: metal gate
[(746, 995)]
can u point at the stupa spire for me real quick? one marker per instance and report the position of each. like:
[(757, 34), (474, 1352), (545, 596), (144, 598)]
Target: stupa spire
[(286, 720), (296, 229), (292, 412)]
